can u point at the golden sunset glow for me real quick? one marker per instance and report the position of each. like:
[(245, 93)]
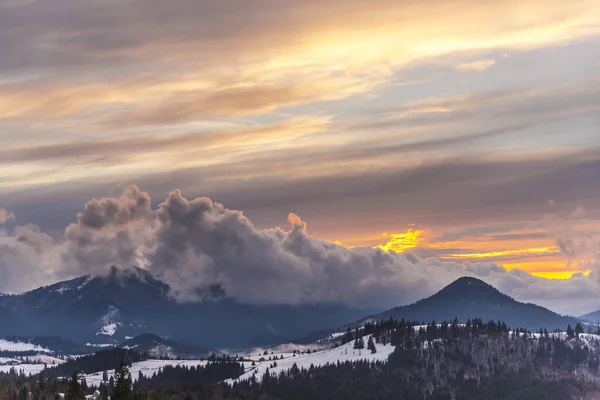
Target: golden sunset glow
[(400, 242), (509, 253), (545, 262)]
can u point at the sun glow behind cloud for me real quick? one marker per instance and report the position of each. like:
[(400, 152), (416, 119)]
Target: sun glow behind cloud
[(545, 261), (400, 242)]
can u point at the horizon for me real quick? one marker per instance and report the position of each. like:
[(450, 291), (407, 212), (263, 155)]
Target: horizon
[(133, 268), (299, 199), (403, 147)]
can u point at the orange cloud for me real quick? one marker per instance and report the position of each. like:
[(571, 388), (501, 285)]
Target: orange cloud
[(508, 253), (400, 242), (528, 255)]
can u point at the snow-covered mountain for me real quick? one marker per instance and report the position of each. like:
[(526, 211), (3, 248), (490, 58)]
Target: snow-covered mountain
[(130, 302)]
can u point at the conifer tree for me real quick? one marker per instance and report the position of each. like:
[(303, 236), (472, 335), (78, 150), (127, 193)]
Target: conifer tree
[(74, 390), (103, 392), (111, 384), (578, 329), (348, 336), (122, 390), (371, 345), (359, 343)]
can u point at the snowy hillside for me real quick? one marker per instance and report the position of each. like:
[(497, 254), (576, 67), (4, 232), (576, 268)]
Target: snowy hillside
[(147, 368), (6, 345), (29, 365), (26, 369), (342, 353)]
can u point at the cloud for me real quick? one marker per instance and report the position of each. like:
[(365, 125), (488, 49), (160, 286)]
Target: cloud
[(110, 231), (215, 141), (5, 216), (207, 61), (28, 258), (478, 66), (198, 244), (193, 105)]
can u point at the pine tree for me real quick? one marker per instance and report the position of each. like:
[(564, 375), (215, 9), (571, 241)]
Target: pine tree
[(359, 343), (103, 392), (570, 332), (347, 337), (74, 390), (578, 329), (122, 390), (105, 376), (371, 345)]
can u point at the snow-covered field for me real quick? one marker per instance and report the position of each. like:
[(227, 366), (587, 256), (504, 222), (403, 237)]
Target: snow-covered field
[(40, 359), (147, 368), (342, 353), (318, 358), (5, 345), (30, 364), (27, 369)]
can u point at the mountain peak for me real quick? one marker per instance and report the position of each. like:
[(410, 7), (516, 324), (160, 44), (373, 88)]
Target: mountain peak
[(469, 280), (468, 298), (470, 288)]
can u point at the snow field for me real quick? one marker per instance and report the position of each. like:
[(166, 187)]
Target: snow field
[(341, 353), (147, 368), (5, 345)]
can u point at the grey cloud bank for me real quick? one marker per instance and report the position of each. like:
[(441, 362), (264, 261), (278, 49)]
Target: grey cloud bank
[(195, 244)]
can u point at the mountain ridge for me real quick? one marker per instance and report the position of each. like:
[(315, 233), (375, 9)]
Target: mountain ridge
[(129, 302), (468, 297), (465, 298)]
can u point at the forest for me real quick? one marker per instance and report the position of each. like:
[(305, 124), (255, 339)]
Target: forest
[(476, 360)]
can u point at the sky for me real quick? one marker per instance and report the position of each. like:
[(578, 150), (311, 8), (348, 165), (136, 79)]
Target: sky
[(408, 142)]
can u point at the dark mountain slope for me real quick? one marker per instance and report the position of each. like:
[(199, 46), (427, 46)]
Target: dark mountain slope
[(593, 317), (466, 298), (472, 298), (127, 303)]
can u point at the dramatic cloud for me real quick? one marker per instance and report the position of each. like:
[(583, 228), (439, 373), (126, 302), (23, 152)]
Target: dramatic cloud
[(197, 244), (109, 232)]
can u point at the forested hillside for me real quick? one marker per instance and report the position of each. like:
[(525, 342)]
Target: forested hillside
[(476, 360)]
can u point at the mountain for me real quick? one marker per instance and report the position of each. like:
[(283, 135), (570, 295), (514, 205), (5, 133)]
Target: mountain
[(593, 317), (468, 298), (129, 302), (465, 298), (158, 347)]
